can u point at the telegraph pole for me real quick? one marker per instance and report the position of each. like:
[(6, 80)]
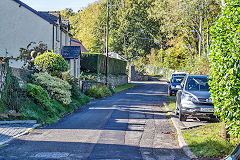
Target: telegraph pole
[(125, 46), (107, 28), (200, 37), (200, 30)]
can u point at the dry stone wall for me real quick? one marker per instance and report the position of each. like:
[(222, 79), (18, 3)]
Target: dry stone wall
[(113, 80), (3, 72)]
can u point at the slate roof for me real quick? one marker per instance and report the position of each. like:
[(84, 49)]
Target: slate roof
[(51, 16), (116, 55), (71, 52), (75, 42), (34, 11), (55, 16)]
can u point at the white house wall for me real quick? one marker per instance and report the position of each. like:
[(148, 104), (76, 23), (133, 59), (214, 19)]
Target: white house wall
[(19, 27), (72, 67), (75, 65), (64, 40)]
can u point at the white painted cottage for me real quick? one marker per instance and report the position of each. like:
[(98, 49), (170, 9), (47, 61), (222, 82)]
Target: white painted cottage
[(21, 24)]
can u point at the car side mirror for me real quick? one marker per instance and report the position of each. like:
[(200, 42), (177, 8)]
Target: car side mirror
[(178, 87)]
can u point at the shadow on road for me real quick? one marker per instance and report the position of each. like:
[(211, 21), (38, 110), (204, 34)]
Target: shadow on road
[(78, 150)]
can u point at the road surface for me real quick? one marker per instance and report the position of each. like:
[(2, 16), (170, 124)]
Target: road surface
[(128, 125)]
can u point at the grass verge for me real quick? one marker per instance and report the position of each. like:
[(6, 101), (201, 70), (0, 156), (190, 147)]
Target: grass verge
[(171, 102), (206, 141), (124, 87)]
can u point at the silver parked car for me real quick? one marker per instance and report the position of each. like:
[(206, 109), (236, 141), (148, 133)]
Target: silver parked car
[(193, 98)]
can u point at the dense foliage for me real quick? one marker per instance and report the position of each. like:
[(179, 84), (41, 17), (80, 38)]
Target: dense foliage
[(56, 87), (98, 91), (225, 66), (157, 33), (50, 62)]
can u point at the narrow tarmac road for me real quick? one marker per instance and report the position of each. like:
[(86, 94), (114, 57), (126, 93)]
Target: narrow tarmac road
[(129, 125)]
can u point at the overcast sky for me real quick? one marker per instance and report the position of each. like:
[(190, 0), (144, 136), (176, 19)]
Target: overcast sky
[(55, 5)]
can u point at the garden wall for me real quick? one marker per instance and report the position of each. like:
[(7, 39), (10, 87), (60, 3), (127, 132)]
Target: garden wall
[(3, 72), (23, 75), (113, 80)]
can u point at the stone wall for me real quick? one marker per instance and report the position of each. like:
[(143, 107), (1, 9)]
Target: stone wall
[(113, 80), (140, 77), (23, 75), (84, 85), (3, 72), (136, 76)]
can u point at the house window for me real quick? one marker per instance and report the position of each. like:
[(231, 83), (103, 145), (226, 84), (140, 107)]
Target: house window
[(57, 34)]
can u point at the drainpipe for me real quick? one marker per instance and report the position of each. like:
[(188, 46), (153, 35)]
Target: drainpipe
[(75, 67), (53, 39), (60, 41)]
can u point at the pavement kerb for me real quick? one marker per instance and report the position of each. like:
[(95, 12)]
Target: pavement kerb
[(19, 122), (18, 135), (181, 140)]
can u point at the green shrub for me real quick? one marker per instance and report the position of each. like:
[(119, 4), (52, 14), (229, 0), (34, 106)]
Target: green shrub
[(225, 60), (48, 113), (98, 91), (51, 62), (57, 87), (81, 99), (38, 93)]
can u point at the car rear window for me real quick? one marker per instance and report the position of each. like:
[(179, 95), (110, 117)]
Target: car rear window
[(177, 79), (197, 84), (182, 74)]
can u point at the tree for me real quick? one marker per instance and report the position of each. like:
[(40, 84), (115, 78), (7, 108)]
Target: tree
[(183, 19), (90, 27), (67, 13), (131, 27), (225, 60)]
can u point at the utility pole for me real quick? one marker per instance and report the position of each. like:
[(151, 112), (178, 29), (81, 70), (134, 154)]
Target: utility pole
[(125, 46), (200, 37), (223, 2), (200, 31), (107, 28)]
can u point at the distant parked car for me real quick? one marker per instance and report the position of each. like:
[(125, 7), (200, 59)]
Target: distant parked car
[(174, 81), (174, 74), (235, 154), (177, 74), (193, 98)]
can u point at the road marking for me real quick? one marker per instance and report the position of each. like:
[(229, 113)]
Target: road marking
[(51, 155)]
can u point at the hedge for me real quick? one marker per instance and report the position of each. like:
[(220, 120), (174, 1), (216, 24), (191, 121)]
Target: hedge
[(225, 60), (96, 63)]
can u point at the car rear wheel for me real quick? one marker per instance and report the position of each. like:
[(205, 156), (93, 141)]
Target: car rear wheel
[(176, 109), (181, 116), (169, 92)]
